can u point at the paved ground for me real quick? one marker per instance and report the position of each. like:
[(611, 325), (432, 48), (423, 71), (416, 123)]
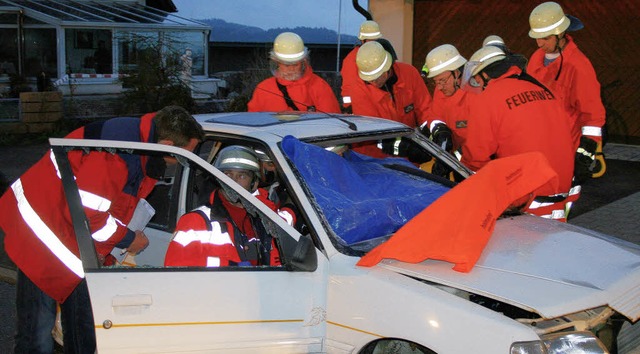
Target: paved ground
[(610, 204)]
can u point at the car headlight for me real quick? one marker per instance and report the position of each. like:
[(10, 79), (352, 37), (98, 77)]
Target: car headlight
[(565, 343)]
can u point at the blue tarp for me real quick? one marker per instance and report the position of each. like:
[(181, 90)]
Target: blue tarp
[(361, 199)]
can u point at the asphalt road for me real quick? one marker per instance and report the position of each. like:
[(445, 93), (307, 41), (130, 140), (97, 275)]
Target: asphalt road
[(610, 204)]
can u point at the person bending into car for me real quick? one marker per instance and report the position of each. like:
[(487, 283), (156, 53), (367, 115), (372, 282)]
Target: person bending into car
[(222, 233), (40, 236), (515, 114), (294, 86)]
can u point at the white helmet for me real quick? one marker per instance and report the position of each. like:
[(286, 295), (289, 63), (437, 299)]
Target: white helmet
[(548, 19), (288, 48), (236, 157), (493, 40), (442, 58), (484, 57), (369, 30), (372, 61)]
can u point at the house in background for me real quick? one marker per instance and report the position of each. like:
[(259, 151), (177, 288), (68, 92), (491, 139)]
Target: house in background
[(82, 45)]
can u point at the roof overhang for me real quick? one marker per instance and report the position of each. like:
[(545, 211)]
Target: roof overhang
[(100, 14)]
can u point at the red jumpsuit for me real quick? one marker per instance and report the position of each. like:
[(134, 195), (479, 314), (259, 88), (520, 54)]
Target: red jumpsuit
[(577, 86), (454, 112), (40, 238), (349, 74), (309, 91), (410, 102), (202, 242), (513, 116)]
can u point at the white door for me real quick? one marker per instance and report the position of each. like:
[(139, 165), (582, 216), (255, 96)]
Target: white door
[(163, 310), (152, 309)]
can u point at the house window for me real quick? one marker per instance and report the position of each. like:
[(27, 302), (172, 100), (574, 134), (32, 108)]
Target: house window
[(9, 52), (89, 51), (40, 52), (195, 42), (132, 44)]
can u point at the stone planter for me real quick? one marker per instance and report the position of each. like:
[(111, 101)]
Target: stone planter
[(40, 111)]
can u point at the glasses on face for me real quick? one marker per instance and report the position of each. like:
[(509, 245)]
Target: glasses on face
[(442, 82)]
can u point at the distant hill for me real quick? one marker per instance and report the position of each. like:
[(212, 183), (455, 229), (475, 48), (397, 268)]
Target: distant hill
[(223, 31)]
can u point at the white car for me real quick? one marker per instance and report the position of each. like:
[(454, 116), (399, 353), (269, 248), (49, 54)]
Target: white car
[(540, 286)]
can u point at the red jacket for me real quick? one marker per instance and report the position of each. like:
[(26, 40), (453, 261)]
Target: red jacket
[(40, 238), (577, 86), (513, 116), (411, 99), (202, 242), (454, 112), (310, 90)]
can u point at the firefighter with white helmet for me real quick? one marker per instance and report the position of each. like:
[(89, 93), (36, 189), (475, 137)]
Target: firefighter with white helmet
[(563, 68), (369, 31), (493, 40), (450, 107), (389, 89), (233, 236), (294, 86), (497, 41), (393, 90), (515, 114)]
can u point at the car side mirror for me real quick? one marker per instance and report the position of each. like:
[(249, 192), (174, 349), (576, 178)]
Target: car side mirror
[(304, 257)]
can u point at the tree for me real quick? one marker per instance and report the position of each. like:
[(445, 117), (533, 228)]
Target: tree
[(152, 74)]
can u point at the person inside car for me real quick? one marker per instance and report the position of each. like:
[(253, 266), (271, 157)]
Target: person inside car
[(222, 233)]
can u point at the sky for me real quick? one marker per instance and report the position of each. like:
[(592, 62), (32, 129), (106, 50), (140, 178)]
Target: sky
[(267, 14)]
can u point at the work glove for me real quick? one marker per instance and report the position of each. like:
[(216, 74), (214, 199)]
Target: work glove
[(585, 160), (441, 135), (440, 169), (424, 130), (404, 148)]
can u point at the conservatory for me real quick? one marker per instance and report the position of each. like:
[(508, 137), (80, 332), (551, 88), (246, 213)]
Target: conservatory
[(84, 46)]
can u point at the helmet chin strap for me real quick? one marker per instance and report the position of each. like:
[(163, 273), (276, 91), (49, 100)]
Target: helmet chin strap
[(456, 76), (485, 79), (559, 49)]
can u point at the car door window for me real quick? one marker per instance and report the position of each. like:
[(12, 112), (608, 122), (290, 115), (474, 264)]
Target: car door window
[(170, 203)]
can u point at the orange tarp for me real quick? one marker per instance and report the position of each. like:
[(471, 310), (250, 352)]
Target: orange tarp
[(457, 226)]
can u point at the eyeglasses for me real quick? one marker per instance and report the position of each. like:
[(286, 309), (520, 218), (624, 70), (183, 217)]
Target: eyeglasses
[(443, 82)]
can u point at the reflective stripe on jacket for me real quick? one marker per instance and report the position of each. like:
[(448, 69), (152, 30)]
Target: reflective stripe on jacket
[(577, 86), (39, 234), (200, 242), (209, 237)]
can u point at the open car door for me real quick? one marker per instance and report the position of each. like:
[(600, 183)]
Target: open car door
[(151, 308)]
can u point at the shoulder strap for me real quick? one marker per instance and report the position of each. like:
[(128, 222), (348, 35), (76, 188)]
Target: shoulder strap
[(220, 213), (286, 96), (526, 77)]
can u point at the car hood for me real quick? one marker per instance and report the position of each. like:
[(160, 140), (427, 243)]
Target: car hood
[(547, 267)]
